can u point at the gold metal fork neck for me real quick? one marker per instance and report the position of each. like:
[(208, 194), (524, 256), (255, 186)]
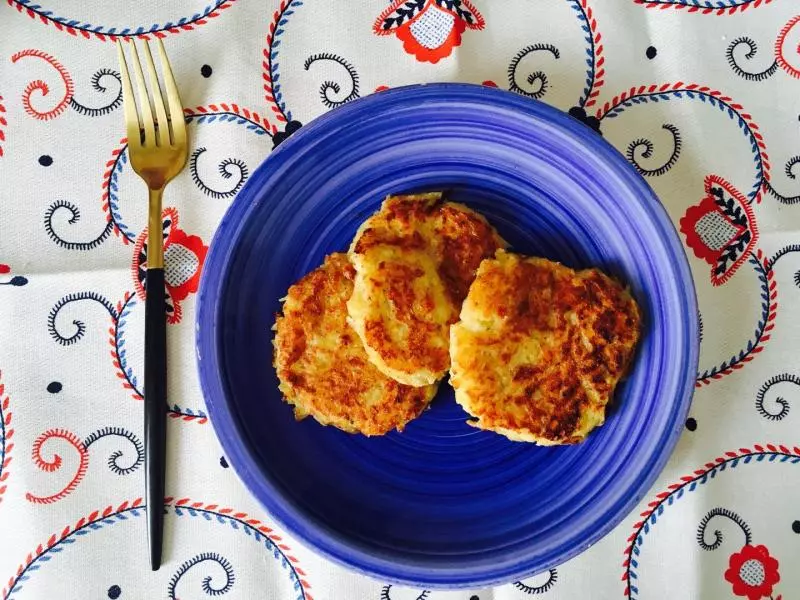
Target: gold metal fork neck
[(155, 230)]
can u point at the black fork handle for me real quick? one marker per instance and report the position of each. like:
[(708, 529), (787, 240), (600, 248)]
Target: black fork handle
[(155, 410)]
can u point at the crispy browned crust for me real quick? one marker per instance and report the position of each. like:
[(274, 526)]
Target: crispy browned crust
[(415, 260), (541, 347), (322, 365)]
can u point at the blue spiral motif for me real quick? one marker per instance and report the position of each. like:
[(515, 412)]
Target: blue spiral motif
[(789, 170), (98, 86), (791, 248), (386, 593), (752, 49), (113, 517), (114, 457), (782, 402), (220, 116), (634, 155), (718, 537), (208, 588), (536, 79), (246, 528), (330, 89), (722, 105), (552, 577), (75, 216), (227, 169), (80, 326)]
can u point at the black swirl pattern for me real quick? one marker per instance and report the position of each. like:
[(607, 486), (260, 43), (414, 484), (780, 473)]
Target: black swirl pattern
[(762, 392), (80, 326), (97, 85), (113, 458), (74, 217), (788, 249), (386, 593), (752, 49), (208, 588), (642, 148), (330, 91), (789, 170), (536, 83), (552, 577), (718, 537), (227, 168)]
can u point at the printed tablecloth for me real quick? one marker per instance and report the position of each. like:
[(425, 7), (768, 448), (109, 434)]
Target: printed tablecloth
[(701, 96)]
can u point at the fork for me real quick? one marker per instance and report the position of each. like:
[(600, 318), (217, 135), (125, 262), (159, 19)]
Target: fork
[(157, 149)]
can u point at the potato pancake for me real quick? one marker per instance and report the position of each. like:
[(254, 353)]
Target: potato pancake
[(322, 365), (415, 259), (540, 348)]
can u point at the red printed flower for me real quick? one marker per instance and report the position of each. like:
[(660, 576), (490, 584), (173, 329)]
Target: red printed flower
[(721, 229), (430, 29), (183, 261), (752, 572)]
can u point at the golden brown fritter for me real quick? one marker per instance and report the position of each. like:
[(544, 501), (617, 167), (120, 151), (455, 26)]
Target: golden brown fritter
[(321, 363), (540, 348), (415, 260)]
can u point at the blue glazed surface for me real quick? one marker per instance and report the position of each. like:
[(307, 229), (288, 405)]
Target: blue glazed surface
[(442, 504)]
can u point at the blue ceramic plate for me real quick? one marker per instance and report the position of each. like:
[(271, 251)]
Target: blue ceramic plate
[(442, 504)]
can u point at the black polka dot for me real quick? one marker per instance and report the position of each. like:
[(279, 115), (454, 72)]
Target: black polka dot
[(691, 424), (223, 463), (54, 387), (796, 526), (206, 71), (114, 592), (45, 160), (651, 52)]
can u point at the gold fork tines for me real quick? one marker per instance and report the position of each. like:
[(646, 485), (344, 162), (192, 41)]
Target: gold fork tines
[(157, 148), (156, 131)]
